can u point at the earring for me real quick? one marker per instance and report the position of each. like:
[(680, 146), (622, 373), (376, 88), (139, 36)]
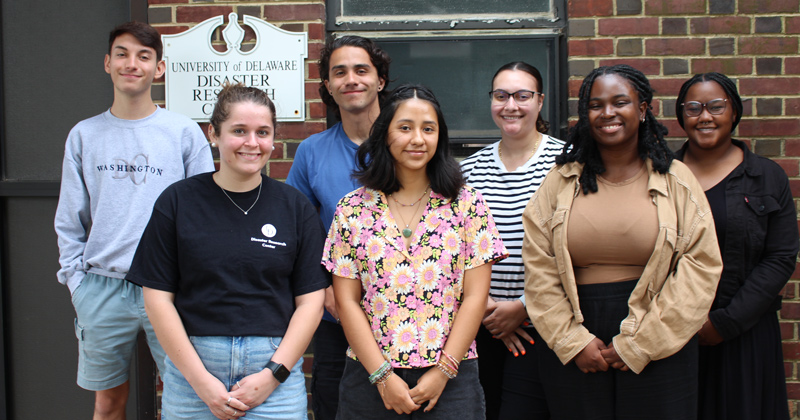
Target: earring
[(213, 144), (273, 148)]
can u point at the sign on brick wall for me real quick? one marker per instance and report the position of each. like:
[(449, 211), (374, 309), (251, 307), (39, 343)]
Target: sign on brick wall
[(196, 71)]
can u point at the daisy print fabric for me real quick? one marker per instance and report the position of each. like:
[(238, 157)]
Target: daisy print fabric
[(411, 296)]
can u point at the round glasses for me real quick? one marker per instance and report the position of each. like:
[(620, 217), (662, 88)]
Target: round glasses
[(520, 96), (714, 107)]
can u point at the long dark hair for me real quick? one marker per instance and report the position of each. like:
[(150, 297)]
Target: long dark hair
[(724, 82), (581, 147), (376, 163), (542, 126), (379, 58)]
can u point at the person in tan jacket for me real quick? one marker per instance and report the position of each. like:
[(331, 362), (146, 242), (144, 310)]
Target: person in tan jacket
[(621, 262)]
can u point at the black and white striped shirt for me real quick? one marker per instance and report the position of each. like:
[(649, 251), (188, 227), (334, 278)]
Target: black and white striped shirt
[(507, 194)]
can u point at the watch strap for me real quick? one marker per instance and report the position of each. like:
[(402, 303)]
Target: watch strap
[(278, 370)]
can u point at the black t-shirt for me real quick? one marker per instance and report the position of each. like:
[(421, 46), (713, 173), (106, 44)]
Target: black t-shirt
[(232, 274)]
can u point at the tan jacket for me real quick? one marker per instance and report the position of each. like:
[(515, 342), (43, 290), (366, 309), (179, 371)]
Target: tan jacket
[(672, 298)]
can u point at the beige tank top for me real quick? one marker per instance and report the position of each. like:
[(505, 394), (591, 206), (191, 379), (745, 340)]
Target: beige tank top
[(612, 233)]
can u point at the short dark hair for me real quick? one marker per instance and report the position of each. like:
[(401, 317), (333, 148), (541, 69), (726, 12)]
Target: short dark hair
[(376, 164), (724, 82), (581, 147), (377, 56), (542, 126), (234, 94), (144, 33)]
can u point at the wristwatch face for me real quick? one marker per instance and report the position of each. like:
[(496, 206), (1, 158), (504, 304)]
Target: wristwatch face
[(278, 370)]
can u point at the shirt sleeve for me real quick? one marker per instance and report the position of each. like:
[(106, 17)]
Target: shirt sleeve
[(770, 274), (197, 157), (73, 216), (483, 244), (307, 275), (155, 263), (298, 175), (339, 256)]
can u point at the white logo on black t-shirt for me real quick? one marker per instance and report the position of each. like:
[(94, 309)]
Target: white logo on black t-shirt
[(268, 230)]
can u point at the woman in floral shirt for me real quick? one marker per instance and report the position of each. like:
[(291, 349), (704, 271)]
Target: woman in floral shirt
[(421, 243)]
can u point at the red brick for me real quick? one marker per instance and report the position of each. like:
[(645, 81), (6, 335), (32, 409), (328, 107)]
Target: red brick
[(762, 45), (791, 351), (792, 25), (279, 170), (314, 51), (627, 26), (282, 12), (787, 330), (316, 31), (313, 70), (317, 110), (794, 184), (645, 65), (312, 90), (675, 46), (150, 2), (771, 6), (298, 130), (720, 25), (169, 30), (201, 13), (668, 88), (674, 128), (790, 166), (574, 86), (791, 65), (792, 147), (769, 86), (674, 7), (788, 291), (656, 106), (793, 390), (769, 127), (591, 47), (788, 370), (590, 8), (796, 273), (790, 310), (277, 153), (729, 66), (307, 363)]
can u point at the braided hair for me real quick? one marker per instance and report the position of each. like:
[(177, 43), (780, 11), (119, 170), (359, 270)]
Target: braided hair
[(724, 82), (582, 148)]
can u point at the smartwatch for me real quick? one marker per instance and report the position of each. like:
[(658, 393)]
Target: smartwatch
[(278, 370)]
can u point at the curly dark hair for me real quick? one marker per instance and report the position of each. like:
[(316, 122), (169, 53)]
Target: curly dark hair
[(376, 164), (542, 126), (379, 59), (581, 147), (724, 82)]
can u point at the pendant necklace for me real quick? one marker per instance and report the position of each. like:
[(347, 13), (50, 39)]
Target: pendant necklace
[(254, 202), (407, 231)]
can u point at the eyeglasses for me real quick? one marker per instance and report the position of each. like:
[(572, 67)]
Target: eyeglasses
[(714, 107), (520, 96)]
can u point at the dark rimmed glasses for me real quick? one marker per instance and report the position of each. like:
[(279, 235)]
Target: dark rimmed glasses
[(521, 96), (714, 107)]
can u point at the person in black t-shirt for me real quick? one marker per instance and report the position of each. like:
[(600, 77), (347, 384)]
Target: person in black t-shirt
[(232, 283)]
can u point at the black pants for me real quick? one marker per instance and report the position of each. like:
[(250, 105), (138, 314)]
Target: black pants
[(330, 348), (666, 389)]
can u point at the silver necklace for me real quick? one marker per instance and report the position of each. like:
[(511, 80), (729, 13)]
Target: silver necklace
[(254, 202)]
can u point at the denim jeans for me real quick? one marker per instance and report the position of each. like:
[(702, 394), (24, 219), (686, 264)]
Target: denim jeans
[(462, 398), (230, 359)]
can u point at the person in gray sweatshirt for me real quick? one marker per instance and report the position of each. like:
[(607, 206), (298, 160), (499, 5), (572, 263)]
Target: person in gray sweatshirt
[(115, 166)]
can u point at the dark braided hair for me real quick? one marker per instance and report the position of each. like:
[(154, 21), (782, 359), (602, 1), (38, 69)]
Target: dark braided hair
[(582, 148), (724, 82)]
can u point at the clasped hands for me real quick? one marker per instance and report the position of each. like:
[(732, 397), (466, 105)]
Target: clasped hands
[(598, 357)]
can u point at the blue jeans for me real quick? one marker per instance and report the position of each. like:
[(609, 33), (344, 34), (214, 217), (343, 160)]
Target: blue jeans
[(462, 398), (230, 359)]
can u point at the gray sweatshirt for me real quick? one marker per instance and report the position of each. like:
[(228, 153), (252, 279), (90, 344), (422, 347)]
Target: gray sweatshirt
[(113, 171)]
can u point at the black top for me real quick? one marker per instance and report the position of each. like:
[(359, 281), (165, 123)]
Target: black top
[(232, 274), (761, 243), (717, 202)]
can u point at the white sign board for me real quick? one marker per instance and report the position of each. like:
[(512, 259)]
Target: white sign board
[(196, 71)]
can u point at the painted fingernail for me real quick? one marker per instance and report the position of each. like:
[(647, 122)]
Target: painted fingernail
[(523, 352), (516, 354), (532, 342), (512, 351), (526, 323)]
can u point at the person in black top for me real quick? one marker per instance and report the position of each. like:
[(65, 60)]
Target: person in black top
[(232, 283), (741, 362)]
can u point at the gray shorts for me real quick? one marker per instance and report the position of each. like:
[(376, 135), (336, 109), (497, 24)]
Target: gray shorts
[(110, 314)]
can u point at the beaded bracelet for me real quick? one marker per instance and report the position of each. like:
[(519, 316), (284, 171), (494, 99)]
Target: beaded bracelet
[(380, 374), (448, 365)]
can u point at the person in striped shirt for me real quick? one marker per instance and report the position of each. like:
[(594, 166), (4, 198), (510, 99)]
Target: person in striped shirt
[(508, 173)]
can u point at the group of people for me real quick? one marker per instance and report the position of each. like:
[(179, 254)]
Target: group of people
[(600, 277)]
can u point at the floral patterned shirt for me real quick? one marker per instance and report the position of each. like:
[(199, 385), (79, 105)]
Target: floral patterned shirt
[(411, 296)]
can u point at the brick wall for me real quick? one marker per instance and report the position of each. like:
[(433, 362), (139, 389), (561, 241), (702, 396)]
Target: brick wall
[(753, 41)]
